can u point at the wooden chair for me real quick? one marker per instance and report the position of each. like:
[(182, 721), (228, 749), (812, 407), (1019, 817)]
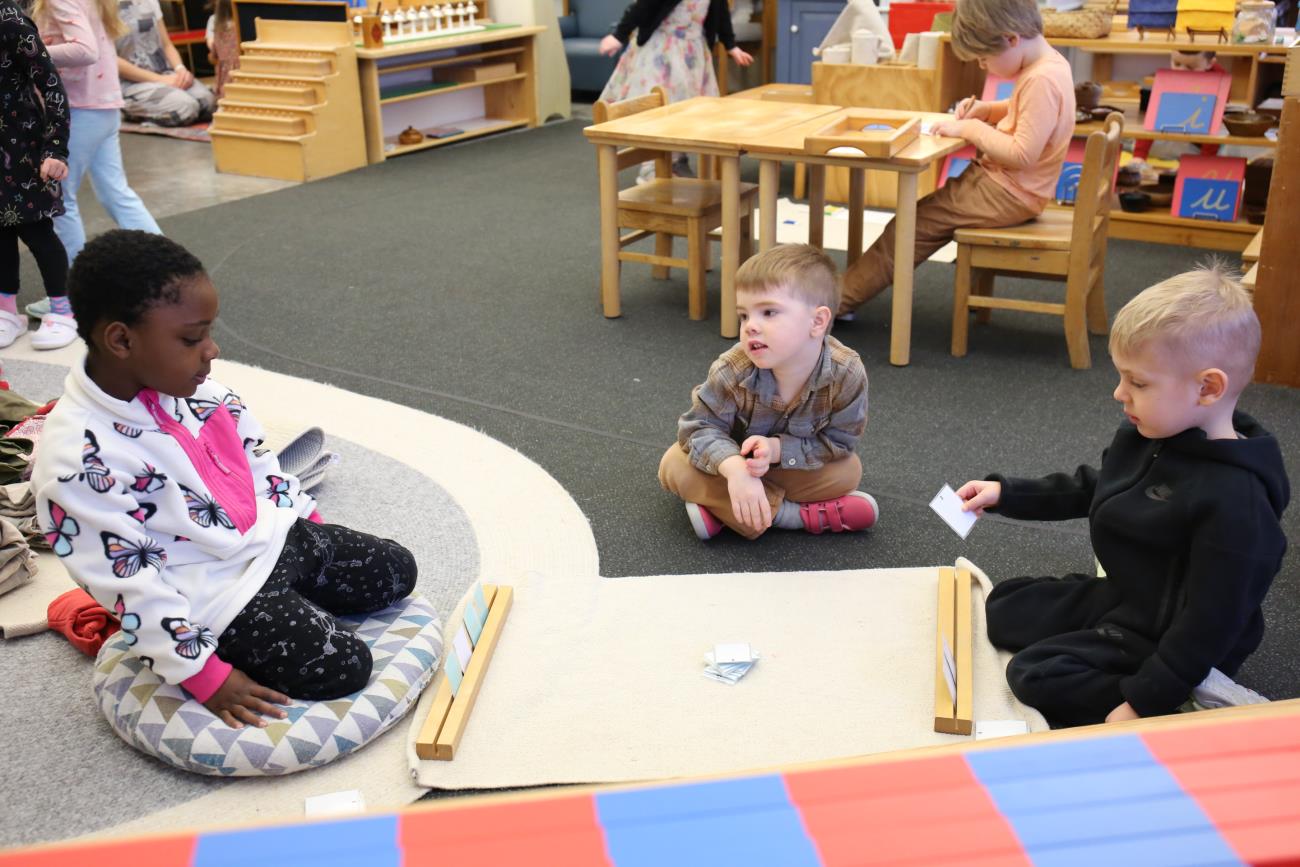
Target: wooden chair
[(667, 206), (1068, 245)]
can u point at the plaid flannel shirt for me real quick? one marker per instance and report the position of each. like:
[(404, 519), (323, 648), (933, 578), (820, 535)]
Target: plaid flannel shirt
[(738, 400)]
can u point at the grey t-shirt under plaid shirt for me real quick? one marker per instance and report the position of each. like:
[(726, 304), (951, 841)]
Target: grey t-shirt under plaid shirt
[(141, 44), (823, 423)]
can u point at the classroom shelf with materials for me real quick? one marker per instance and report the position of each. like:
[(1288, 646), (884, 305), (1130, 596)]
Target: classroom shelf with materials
[(292, 110), (429, 92), (1253, 70)]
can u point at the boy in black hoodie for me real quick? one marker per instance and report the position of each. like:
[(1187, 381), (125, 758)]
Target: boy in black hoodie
[(1183, 516)]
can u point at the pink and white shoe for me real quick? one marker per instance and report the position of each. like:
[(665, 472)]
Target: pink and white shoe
[(854, 511), (702, 520), (56, 331)]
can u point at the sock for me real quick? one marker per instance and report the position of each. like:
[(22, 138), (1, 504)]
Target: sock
[(9, 302), (61, 305), (787, 517)]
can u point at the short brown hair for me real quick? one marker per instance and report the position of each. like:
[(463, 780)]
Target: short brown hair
[(803, 270), (980, 27), (1204, 318)]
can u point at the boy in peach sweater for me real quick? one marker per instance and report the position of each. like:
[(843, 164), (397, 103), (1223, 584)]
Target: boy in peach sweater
[(1022, 141)]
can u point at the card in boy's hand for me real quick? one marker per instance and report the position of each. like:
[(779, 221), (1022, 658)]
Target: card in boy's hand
[(947, 505)]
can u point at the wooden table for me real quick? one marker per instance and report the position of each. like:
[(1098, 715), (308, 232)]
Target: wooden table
[(907, 164), (708, 125)]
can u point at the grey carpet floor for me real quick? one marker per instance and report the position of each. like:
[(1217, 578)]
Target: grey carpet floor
[(59, 750), (464, 281)]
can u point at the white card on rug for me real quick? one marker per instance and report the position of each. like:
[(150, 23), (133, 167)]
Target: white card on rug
[(947, 505), (451, 665), (987, 729), (335, 804), (464, 647), (733, 652)]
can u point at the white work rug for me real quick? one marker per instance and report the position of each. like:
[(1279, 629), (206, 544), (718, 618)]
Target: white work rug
[(598, 680)]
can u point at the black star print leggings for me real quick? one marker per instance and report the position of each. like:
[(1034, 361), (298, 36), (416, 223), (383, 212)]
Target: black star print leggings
[(286, 637)]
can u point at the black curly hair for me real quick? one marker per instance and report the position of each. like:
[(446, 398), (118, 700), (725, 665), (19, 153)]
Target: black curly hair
[(119, 275)]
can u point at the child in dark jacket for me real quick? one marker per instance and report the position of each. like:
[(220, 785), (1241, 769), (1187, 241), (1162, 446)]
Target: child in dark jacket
[(1184, 517)]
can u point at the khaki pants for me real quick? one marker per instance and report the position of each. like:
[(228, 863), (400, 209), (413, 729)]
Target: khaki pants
[(678, 476), (972, 200)]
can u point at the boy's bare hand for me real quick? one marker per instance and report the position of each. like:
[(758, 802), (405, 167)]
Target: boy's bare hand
[(749, 501), (1121, 713), (241, 699), (760, 453), (976, 496), (972, 108), (949, 128)]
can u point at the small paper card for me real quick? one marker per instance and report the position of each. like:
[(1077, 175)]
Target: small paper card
[(1067, 184), (463, 646), (335, 804), (947, 505), (475, 616), (949, 670), (728, 653), (956, 163), (987, 729), (453, 669)]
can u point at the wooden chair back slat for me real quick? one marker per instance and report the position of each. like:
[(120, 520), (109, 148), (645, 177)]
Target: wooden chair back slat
[(602, 111)]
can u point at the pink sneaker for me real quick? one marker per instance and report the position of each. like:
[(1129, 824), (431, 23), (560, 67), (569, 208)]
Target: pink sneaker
[(706, 526), (853, 511)]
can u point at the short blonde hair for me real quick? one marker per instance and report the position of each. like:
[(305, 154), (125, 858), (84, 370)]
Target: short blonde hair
[(980, 27), (1205, 318), (803, 270)]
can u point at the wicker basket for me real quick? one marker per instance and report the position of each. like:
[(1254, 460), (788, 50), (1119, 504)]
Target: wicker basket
[(1093, 21)]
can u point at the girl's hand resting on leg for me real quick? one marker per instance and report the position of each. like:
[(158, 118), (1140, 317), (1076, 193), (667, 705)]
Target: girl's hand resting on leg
[(241, 700), (976, 496)]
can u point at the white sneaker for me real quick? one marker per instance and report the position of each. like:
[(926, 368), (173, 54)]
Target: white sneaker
[(12, 326), (56, 331), (1219, 690)]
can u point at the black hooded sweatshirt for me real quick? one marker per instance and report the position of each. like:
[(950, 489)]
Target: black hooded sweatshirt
[(1187, 531)]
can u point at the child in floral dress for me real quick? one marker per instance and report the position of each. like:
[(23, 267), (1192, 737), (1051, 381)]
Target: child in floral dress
[(673, 50)]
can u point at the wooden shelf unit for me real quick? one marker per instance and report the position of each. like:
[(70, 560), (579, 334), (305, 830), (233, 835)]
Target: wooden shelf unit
[(1248, 67), (439, 90), (292, 110)]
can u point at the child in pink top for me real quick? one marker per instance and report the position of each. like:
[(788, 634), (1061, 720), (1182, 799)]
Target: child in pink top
[(1022, 140)]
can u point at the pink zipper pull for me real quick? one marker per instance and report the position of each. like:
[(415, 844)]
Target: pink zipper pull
[(216, 460)]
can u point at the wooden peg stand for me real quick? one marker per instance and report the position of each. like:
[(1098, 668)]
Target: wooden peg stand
[(954, 714), (440, 735)]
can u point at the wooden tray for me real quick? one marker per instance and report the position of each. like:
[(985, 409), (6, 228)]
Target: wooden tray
[(855, 130)]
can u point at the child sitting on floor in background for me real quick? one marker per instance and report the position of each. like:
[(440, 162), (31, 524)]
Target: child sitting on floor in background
[(769, 439), (223, 43), (154, 487), (1184, 517), (1022, 141)]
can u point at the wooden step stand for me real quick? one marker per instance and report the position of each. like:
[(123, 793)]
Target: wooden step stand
[(953, 708), (440, 735)]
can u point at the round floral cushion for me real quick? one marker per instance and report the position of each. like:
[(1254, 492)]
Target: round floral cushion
[(162, 719)]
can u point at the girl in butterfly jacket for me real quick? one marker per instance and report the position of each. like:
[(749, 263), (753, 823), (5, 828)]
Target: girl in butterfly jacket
[(153, 486)]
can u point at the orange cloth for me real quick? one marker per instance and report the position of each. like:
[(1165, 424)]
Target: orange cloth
[(85, 622)]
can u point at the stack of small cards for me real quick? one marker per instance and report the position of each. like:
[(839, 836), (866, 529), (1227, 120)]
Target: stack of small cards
[(462, 646), (728, 663)]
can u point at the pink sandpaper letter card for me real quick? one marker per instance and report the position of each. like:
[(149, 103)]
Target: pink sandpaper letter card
[(1209, 188), (1187, 101)]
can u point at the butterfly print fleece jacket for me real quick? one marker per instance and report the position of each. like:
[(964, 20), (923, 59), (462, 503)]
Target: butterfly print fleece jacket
[(168, 511)]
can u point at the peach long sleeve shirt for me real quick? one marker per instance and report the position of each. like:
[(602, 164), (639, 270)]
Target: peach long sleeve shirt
[(1025, 149), (84, 55)]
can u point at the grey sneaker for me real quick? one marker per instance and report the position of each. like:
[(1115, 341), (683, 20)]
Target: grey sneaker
[(682, 168), (1219, 690), (38, 309)]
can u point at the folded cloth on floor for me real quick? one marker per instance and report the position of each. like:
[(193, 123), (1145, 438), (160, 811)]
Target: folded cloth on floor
[(17, 562), (17, 501), (305, 457), (84, 622)]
